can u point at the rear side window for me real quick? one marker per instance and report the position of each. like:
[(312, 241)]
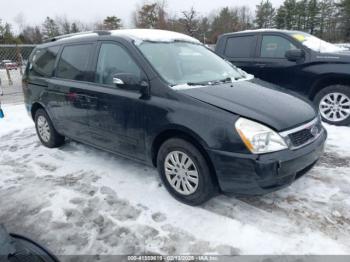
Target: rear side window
[(240, 47), (43, 61), (74, 62), (275, 46)]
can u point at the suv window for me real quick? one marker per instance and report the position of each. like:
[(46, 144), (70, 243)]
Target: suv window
[(43, 61), (275, 46), (74, 62), (114, 59), (240, 47)]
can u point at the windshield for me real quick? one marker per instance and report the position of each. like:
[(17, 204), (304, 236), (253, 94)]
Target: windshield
[(188, 63), (315, 43)]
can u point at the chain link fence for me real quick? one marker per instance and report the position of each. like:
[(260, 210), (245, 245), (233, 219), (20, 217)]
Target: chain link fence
[(13, 60)]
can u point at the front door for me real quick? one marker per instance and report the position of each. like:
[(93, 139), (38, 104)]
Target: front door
[(117, 122), (271, 64)]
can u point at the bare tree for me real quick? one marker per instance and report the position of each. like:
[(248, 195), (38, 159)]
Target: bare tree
[(190, 21), (64, 24)]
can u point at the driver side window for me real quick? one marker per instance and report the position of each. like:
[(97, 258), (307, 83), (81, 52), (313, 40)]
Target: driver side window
[(275, 47), (113, 59)]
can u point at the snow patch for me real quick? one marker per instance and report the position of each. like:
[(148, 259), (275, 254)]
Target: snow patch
[(80, 200), (153, 35)]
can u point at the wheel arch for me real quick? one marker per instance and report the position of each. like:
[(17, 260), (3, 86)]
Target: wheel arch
[(187, 135), (35, 108), (328, 80)]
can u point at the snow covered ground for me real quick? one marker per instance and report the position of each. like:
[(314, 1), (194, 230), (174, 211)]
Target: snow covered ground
[(80, 200)]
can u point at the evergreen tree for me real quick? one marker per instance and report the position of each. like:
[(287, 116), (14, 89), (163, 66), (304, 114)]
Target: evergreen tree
[(74, 28), (264, 15), (344, 10), (50, 28), (226, 21), (147, 16), (112, 23), (313, 16)]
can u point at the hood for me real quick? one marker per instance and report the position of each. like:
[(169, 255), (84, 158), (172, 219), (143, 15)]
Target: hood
[(267, 105), (340, 57)]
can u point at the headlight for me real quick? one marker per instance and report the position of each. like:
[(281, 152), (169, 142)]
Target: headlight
[(259, 139)]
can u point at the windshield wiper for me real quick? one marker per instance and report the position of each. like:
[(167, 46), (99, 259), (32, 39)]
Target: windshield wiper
[(197, 83), (215, 82)]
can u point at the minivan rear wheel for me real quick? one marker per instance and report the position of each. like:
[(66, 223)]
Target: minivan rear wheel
[(45, 130), (333, 103), (185, 172)]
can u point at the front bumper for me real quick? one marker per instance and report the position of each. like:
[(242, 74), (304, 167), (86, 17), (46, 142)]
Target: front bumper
[(260, 174)]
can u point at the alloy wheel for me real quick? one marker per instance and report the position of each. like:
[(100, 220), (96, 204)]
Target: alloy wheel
[(335, 107), (181, 172), (43, 129)]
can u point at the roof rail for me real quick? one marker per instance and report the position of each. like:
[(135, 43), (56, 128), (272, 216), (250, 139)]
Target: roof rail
[(99, 32)]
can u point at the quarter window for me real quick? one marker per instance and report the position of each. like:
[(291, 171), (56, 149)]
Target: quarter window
[(275, 47), (43, 61), (113, 59), (240, 47), (74, 62)]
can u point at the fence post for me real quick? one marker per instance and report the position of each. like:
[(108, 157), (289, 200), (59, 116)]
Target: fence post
[(19, 59), (9, 77)]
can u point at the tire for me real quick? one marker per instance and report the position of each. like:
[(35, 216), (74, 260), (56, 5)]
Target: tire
[(203, 190), (52, 139), (334, 93)]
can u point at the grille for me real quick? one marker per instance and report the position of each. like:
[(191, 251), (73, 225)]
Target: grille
[(304, 134), (301, 137)]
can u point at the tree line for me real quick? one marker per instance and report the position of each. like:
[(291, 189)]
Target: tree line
[(327, 19)]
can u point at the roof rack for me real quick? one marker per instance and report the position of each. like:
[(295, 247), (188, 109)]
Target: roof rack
[(99, 32)]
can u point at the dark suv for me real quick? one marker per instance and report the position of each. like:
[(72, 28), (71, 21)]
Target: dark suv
[(164, 99), (297, 61)]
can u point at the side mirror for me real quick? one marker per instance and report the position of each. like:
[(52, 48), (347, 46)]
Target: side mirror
[(125, 80), (131, 82), (295, 55)]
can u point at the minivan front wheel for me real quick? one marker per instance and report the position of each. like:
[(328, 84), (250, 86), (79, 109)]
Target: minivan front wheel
[(333, 103), (185, 172), (46, 132)]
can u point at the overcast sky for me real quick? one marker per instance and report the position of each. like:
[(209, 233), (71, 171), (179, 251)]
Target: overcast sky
[(35, 11)]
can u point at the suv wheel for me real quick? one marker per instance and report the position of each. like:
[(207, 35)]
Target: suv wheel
[(185, 172), (46, 132), (333, 103)]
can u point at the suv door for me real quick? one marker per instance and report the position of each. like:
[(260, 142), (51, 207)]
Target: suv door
[(239, 50), (272, 65), (117, 121), (70, 89)]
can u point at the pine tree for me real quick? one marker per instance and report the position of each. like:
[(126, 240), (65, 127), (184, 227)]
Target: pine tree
[(344, 8), (265, 14), (147, 16), (50, 28), (112, 23), (74, 28), (313, 16)]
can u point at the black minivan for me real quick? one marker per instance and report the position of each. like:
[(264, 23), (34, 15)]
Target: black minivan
[(164, 99)]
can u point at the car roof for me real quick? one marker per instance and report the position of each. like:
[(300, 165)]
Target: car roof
[(137, 35), (264, 30)]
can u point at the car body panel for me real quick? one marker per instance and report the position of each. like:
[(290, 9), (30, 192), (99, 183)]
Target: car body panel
[(262, 104)]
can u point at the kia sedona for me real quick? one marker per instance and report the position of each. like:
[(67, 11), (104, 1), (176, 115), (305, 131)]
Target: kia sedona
[(298, 61), (164, 99)]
